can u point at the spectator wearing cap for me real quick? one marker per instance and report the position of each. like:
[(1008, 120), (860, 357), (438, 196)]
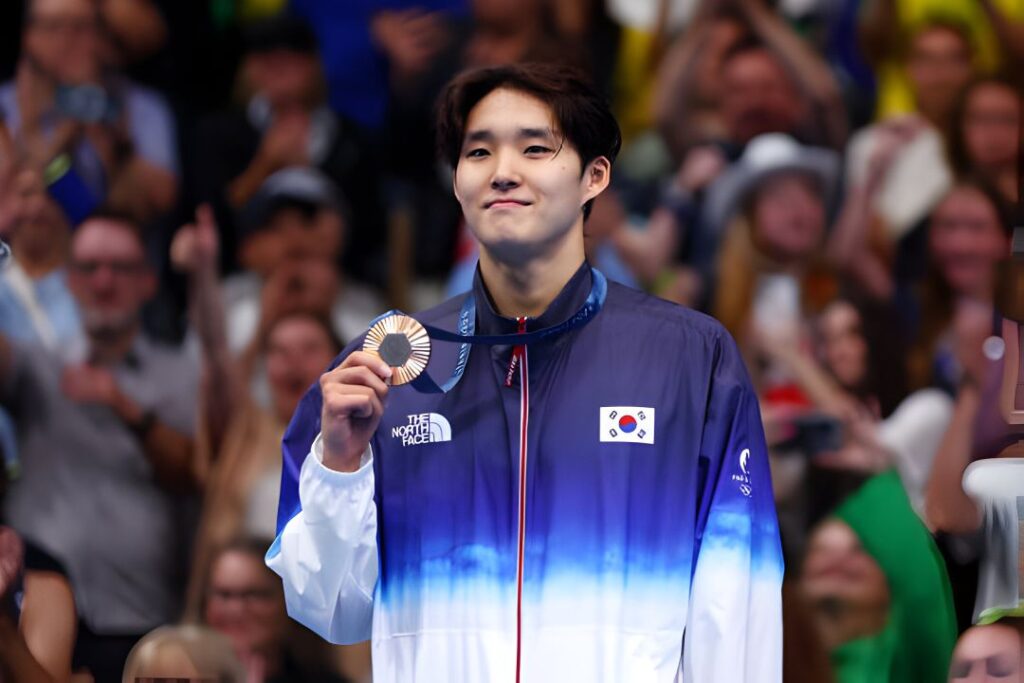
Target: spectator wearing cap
[(108, 455), (291, 233), (772, 206), (282, 120)]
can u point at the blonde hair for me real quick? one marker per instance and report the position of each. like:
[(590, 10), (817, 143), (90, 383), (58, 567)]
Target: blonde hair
[(195, 653)]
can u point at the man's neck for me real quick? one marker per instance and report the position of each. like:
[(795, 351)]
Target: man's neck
[(528, 288), (111, 348)]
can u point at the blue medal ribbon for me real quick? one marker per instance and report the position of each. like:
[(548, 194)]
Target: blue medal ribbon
[(467, 325)]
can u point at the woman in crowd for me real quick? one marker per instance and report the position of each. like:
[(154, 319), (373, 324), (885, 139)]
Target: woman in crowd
[(243, 600), (878, 589)]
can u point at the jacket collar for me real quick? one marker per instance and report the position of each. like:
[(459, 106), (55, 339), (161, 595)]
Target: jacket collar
[(564, 305)]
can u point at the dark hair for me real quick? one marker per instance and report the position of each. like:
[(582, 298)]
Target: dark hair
[(583, 116)]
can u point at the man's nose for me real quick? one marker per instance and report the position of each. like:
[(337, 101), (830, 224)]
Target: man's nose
[(505, 177)]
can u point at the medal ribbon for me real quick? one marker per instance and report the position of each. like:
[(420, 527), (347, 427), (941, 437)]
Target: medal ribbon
[(467, 325)]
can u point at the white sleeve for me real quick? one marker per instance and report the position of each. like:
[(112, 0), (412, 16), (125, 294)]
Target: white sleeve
[(912, 434), (327, 554), (734, 620)]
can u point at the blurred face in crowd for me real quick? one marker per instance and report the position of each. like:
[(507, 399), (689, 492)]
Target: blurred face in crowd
[(519, 181), (109, 276), (987, 654), (62, 38), (293, 233), (284, 77), (840, 579), (245, 602), (28, 217), (298, 350), (843, 345), (939, 66), (966, 241), (990, 127), (757, 96), (788, 217)]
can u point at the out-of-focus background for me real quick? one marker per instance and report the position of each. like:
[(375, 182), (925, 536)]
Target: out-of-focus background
[(206, 198)]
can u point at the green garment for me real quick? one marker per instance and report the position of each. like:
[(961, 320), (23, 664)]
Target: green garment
[(917, 642)]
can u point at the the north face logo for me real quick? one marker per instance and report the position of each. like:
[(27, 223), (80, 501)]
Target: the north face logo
[(423, 428)]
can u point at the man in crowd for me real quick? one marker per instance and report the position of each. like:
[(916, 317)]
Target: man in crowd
[(106, 451)]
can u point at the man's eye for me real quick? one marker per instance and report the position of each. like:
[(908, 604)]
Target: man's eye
[(537, 149), (476, 153)]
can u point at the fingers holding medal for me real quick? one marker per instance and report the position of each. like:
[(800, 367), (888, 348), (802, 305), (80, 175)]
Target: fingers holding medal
[(353, 395)]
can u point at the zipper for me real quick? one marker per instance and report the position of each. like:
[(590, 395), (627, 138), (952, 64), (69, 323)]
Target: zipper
[(519, 357)]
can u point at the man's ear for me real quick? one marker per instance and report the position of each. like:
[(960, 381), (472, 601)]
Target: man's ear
[(596, 177), (455, 184)]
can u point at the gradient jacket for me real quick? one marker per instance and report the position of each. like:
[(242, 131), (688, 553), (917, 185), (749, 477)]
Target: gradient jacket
[(607, 517)]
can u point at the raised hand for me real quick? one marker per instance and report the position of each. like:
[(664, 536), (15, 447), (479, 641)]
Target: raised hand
[(196, 246), (354, 395)]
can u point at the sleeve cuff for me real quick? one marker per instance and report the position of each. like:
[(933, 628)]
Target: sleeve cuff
[(326, 473)]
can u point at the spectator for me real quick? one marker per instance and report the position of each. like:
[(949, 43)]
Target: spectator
[(183, 653), (37, 612), (879, 589), (985, 136), (739, 72), (244, 600), (990, 30), (772, 206), (107, 451), (66, 99), (241, 439), (991, 652), (292, 232), (282, 121), (36, 305)]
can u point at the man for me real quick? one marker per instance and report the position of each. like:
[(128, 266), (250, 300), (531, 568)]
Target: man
[(106, 451), (572, 506), (64, 99)]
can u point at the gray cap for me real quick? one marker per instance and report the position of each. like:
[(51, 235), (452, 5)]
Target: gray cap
[(294, 186)]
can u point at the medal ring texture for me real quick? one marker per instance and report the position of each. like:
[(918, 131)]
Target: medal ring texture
[(402, 343)]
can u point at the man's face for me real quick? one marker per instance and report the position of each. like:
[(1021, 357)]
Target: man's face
[(987, 654), (939, 67), (62, 38), (109, 276), (519, 181), (757, 96)]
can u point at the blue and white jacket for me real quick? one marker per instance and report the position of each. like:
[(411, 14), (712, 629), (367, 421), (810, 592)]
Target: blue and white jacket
[(607, 517)]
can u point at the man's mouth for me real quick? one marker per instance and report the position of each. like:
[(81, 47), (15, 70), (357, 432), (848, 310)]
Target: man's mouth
[(505, 203)]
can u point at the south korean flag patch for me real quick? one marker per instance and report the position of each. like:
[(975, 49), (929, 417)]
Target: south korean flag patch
[(627, 424)]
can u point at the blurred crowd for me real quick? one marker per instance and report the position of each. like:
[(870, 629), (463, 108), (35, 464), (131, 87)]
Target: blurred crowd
[(206, 199)]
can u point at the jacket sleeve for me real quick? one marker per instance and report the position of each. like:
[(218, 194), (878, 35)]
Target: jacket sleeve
[(326, 554), (734, 624)]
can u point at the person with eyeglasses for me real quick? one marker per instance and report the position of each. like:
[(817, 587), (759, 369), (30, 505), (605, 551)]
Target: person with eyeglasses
[(108, 473), (244, 601)]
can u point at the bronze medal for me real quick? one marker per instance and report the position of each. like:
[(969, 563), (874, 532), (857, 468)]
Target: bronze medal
[(402, 343)]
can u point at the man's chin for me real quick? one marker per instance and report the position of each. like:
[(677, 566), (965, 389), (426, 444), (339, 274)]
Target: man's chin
[(101, 325)]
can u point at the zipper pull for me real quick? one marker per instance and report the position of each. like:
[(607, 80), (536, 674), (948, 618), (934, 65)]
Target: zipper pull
[(517, 351)]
